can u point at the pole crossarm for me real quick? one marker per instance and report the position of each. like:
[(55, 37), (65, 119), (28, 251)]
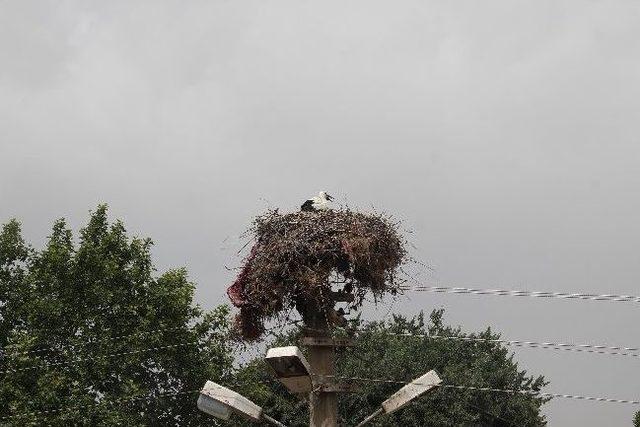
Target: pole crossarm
[(328, 384)]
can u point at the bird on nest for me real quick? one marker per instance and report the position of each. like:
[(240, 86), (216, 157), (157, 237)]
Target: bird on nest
[(317, 203)]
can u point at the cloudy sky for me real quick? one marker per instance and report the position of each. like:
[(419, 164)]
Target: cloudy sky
[(505, 134)]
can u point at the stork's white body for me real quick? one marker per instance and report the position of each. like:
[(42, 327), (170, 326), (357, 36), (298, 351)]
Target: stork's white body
[(320, 202), (317, 203)]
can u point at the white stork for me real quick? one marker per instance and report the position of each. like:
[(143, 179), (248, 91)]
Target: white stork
[(317, 203)]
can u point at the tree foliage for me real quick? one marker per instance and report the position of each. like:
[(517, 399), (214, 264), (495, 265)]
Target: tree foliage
[(636, 419), (380, 354), (91, 334)]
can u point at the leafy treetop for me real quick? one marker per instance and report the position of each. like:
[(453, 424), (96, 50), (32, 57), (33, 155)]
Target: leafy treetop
[(84, 326)]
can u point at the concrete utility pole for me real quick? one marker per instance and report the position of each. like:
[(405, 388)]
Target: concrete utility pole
[(322, 401)]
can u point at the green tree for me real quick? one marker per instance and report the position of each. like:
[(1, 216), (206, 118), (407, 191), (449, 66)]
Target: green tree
[(636, 419), (380, 354), (90, 335)]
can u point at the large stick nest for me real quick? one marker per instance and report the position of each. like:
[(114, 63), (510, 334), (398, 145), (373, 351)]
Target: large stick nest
[(300, 259)]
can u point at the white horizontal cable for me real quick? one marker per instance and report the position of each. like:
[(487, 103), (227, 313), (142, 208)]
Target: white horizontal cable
[(522, 293), (587, 348), (103, 356), (87, 342), (490, 389), (123, 400), (541, 394)]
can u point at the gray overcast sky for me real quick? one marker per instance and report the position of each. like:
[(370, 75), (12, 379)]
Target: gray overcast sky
[(504, 133)]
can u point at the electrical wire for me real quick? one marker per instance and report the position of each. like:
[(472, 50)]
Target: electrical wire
[(88, 405), (103, 356), (88, 342), (541, 394), (587, 348), (522, 293), (122, 400), (532, 393)]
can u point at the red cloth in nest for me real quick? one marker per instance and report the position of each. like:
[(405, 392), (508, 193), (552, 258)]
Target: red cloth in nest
[(236, 294), (236, 290)]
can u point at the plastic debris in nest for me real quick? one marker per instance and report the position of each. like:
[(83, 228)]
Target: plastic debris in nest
[(298, 260)]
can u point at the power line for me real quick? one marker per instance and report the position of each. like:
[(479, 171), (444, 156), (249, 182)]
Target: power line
[(104, 356), (88, 405), (541, 394), (586, 348), (532, 393), (122, 400), (522, 293), (88, 342)]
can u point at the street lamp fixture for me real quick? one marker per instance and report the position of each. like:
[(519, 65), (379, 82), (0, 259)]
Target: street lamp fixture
[(406, 394), (291, 368), (221, 402)]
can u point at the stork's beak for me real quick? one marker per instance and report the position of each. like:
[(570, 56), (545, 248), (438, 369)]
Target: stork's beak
[(329, 197)]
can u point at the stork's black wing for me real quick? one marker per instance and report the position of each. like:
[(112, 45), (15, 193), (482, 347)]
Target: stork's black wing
[(307, 206)]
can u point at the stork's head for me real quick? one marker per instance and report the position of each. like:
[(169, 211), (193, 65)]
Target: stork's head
[(325, 196)]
